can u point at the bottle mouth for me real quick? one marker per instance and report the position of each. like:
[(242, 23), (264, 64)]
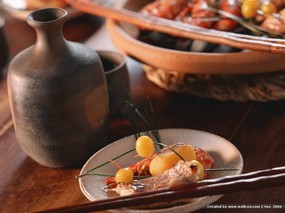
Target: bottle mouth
[(47, 15)]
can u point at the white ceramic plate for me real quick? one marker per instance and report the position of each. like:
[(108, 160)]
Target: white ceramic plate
[(224, 153)]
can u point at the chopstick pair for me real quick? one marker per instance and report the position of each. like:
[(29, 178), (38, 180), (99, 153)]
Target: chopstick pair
[(228, 184), (106, 9)]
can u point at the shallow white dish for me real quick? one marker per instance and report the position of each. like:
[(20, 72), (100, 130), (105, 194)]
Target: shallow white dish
[(224, 153)]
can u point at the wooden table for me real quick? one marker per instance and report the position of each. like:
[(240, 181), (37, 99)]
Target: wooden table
[(256, 129)]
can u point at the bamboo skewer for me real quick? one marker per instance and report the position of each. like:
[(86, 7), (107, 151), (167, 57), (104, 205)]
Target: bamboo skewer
[(229, 184), (175, 28)]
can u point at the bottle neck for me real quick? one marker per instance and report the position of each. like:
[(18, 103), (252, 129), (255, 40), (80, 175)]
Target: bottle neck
[(48, 26), (50, 39)]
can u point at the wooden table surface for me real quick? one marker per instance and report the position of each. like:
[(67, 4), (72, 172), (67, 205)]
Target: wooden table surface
[(256, 129)]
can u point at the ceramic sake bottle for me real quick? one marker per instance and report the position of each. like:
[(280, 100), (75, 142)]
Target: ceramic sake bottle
[(58, 95)]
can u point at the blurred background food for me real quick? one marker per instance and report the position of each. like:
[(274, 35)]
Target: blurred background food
[(34, 4), (37, 4), (22, 8)]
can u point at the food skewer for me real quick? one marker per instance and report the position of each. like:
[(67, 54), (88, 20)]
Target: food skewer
[(228, 184), (103, 8)]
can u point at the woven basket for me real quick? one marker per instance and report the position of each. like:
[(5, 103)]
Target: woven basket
[(239, 88)]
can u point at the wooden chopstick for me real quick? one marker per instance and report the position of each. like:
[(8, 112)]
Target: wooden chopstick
[(180, 29), (229, 184)]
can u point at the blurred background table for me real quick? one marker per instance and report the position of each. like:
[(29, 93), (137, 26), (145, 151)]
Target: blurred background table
[(256, 129)]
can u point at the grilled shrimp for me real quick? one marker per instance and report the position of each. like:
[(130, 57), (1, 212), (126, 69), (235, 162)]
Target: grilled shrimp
[(200, 14), (195, 12), (183, 172), (143, 167), (225, 23), (168, 9)]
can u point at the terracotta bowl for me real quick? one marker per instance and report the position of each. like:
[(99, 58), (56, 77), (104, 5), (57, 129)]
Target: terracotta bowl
[(124, 36)]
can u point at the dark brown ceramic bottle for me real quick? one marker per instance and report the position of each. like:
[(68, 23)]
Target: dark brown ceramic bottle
[(58, 95)]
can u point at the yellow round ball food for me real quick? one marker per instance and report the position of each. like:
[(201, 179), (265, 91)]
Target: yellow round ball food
[(144, 146), (249, 8), (166, 159), (268, 8), (124, 175)]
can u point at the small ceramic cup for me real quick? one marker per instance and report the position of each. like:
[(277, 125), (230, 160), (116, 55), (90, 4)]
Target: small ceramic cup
[(3, 47), (117, 78)]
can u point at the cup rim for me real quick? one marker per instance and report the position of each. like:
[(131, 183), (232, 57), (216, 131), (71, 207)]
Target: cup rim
[(35, 16), (102, 53)]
